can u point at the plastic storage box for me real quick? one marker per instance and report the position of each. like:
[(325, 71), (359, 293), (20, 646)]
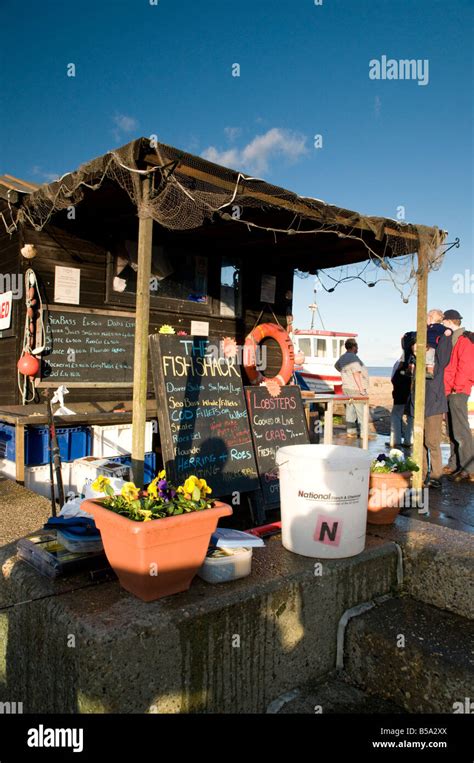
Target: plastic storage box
[(37, 479), (232, 564), (116, 439), (74, 442), (150, 465), (86, 470)]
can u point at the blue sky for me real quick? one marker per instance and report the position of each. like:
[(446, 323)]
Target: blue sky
[(166, 69)]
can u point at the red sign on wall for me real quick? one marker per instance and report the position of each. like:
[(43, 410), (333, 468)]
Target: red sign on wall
[(6, 310)]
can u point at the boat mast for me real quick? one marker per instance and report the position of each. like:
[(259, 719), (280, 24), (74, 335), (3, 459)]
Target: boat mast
[(315, 309)]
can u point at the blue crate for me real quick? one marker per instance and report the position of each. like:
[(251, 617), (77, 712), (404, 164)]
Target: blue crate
[(150, 464), (7, 441), (74, 442)]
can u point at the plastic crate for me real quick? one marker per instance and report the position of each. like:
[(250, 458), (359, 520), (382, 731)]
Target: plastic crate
[(86, 470), (111, 440), (74, 442), (150, 465), (7, 441), (37, 479), (8, 468)]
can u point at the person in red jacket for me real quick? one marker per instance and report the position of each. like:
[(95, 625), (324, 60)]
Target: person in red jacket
[(458, 381)]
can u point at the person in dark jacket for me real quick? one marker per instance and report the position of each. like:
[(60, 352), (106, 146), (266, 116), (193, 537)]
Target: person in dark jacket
[(436, 406), (400, 433)]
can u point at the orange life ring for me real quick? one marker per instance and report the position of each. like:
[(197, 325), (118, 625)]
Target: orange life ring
[(273, 331)]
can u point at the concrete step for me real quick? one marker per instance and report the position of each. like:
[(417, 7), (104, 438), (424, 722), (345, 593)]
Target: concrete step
[(213, 649), (415, 655), (438, 563), (332, 696)]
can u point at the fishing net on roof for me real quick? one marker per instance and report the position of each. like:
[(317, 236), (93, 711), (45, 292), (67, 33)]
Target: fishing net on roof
[(186, 191)]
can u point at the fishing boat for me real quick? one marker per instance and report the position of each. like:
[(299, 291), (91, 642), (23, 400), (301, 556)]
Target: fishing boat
[(321, 349), (316, 352)]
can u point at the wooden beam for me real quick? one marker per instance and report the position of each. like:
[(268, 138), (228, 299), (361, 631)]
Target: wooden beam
[(420, 376), (33, 186), (20, 453), (79, 385), (90, 311), (142, 320), (291, 206)]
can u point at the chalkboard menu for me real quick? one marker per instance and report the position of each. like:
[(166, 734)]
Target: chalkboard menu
[(275, 422), (202, 415), (88, 348)]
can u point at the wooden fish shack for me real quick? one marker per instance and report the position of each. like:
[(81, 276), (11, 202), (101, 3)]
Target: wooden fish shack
[(148, 238)]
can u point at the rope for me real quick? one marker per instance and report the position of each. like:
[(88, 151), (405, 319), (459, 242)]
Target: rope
[(30, 282)]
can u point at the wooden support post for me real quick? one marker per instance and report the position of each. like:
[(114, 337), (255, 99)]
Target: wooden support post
[(420, 378), (140, 361), (20, 452)]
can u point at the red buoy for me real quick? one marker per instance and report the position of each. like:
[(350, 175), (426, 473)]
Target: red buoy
[(28, 365)]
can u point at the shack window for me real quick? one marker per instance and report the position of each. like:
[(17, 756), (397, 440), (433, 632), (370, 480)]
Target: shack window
[(334, 348), (320, 348), (342, 347), (174, 275), (305, 346), (231, 291)]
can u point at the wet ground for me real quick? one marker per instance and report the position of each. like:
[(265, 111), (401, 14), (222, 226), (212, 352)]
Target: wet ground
[(451, 506)]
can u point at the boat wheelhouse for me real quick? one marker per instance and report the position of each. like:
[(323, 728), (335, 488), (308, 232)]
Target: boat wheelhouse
[(321, 349)]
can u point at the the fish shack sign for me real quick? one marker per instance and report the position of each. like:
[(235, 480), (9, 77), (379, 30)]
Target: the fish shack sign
[(202, 415)]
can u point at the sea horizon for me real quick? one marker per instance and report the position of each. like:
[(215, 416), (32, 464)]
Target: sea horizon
[(380, 371)]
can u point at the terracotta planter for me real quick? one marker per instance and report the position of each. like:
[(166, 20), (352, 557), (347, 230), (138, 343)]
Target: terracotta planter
[(386, 496), (157, 558)]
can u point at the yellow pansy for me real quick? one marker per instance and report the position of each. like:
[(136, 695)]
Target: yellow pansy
[(162, 475), (100, 483), (146, 514), (153, 489), (130, 492), (204, 488), (190, 484)]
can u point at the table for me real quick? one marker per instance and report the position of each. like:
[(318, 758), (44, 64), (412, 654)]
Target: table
[(313, 397), (85, 413)]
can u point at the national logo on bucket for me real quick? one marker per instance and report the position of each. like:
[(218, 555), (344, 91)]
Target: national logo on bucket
[(314, 496)]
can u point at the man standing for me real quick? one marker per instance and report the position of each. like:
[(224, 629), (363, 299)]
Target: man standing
[(435, 407), (458, 380), (355, 382)]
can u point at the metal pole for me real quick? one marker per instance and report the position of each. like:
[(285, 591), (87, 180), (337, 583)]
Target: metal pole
[(140, 361)]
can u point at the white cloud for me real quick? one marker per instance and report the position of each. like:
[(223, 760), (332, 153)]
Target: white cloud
[(124, 125), (47, 177), (232, 133), (256, 156)]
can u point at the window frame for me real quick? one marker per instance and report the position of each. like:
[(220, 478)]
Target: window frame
[(160, 303)]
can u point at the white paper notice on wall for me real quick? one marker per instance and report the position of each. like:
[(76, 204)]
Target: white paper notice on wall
[(199, 328), (67, 284), (6, 310), (267, 289)]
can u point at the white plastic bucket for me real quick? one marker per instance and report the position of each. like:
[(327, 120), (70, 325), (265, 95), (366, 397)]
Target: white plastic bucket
[(324, 494)]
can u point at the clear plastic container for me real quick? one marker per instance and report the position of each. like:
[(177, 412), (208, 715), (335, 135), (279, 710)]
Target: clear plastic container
[(235, 563)]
